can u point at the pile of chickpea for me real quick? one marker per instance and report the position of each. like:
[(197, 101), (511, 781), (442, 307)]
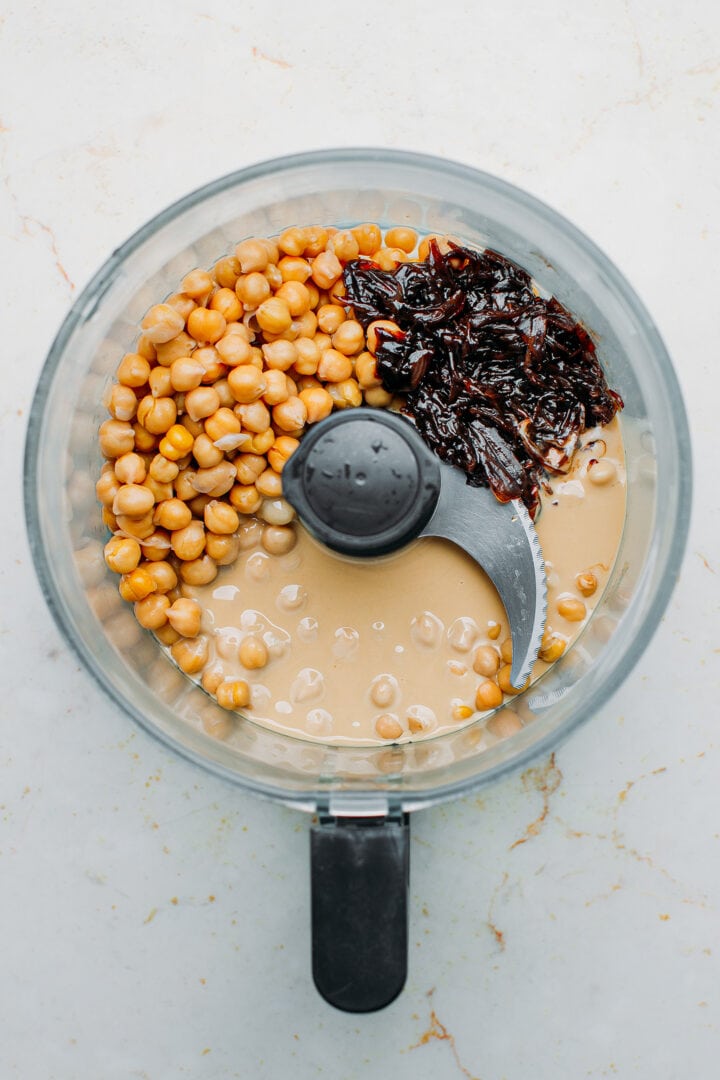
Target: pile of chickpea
[(227, 375)]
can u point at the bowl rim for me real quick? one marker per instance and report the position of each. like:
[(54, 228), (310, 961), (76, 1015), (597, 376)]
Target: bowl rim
[(100, 281)]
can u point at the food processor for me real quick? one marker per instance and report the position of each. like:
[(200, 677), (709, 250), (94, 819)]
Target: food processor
[(361, 796)]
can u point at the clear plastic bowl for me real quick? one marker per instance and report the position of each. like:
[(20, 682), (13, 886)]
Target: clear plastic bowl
[(345, 187)]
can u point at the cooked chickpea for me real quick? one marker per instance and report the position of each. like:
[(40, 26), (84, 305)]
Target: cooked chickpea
[(334, 367), (290, 415), (255, 417), (136, 585), (226, 302), (202, 402), (198, 571), (190, 654), (160, 492), (345, 245), (345, 394), (488, 696), (252, 256), (186, 373), (253, 652), (195, 427), (198, 504), (274, 316), (308, 356), (145, 348), (503, 678), (163, 470), (276, 511), (570, 608), (163, 574), (183, 484), (401, 237), (206, 325), (122, 403), (212, 676), (552, 650), (133, 500), (215, 481), (269, 485), (292, 270), (506, 650), (182, 345), (323, 341), (295, 293), (130, 469), (260, 444), (184, 616), (188, 543), (388, 726), (122, 554), (377, 397), (107, 488), (116, 438), (330, 318), (206, 453), (389, 258), (317, 402), (278, 539), (166, 635), (133, 370), (276, 388), (172, 514), (234, 350), (152, 612), (247, 384), (486, 661), (139, 527), (252, 290), (245, 498), (280, 355), (108, 519), (221, 424), (156, 415), (366, 370), (162, 323), (283, 448), (380, 324), (602, 472), (326, 269), (369, 238), (160, 383), (234, 694), (460, 712), (222, 548), (177, 443), (197, 284), (249, 466), (213, 368), (586, 582), (494, 631), (220, 517)]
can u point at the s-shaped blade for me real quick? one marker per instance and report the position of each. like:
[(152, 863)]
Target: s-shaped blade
[(364, 483)]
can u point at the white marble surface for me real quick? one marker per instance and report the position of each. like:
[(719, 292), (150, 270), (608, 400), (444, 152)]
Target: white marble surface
[(154, 921)]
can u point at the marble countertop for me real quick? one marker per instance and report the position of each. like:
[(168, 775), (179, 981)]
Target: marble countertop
[(154, 922)]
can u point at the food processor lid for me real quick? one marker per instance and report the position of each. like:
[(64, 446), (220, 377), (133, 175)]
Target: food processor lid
[(364, 484)]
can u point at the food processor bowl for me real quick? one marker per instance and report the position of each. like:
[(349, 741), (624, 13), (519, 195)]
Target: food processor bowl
[(361, 794)]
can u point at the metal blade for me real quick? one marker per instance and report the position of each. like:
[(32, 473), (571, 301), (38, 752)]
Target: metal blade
[(501, 538)]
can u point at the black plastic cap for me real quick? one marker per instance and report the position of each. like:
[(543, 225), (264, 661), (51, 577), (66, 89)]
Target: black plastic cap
[(363, 482)]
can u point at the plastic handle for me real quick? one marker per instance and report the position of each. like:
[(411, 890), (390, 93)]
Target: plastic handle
[(359, 874)]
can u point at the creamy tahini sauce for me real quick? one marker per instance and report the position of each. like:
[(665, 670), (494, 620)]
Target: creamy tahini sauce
[(335, 627)]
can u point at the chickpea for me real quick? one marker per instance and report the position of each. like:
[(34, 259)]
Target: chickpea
[(107, 488), (197, 284), (260, 444), (401, 237), (183, 484), (246, 383), (290, 415), (109, 520), (212, 676), (280, 355), (139, 527), (136, 585), (388, 726), (226, 302), (334, 367), (234, 350), (156, 415), (345, 394), (145, 348), (292, 241), (188, 542), (283, 448), (330, 318), (323, 341), (172, 514), (162, 469), (222, 423), (221, 517), (293, 270), (234, 694), (269, 485), (377, 398), (316, 238), (246, 498), (184, 616), (317, 402), (276, 511), (160, 383), (199, 571), (162, 323), (222, 548), (252, 255), (122, 554), (553, 650), (255, 417), (380, 324), (488, 696), (253, 652), (182, 345), (213, 369), (494, 630), (389, 258), (273, 315), (186, 373), (506, 650), (304, 326), (156, 547), (163, 574), (133, 500), (273, 276), (133, 370), (160, 492), (276, 389), (366, 371), (461, 712), (227, 271), (504, 683), (202, 402), (198, 504), (190, 655), (249, 467), (602, 472), (152, 612), (586, 582), (383, 690), (345, 245), (195, 427), (424, 246), (215, 481), (116, 438), (122, 403), (166, 635), (369, 238), (252, 290), (486, 661), (326, 269), (567, 606), (206, 453), (295, 294), (278, 539), (130, 469), (177, 443), (206, 325)]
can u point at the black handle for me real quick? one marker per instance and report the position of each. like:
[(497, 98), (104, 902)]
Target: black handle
[(359, 874)]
